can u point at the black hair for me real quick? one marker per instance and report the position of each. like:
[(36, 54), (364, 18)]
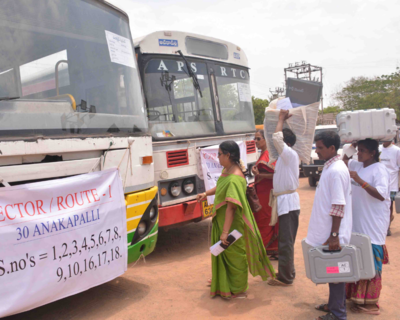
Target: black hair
[(232, 148), (261, 131), (328, 138), (371, 145), (289, 137)]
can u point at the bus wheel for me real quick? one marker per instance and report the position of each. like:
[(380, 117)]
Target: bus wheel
[(312, 181)]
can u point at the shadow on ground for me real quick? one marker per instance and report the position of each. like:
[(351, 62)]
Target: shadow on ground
[(102, 301)]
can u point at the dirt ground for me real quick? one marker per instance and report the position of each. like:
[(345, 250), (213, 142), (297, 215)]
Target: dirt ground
[(171, 284)]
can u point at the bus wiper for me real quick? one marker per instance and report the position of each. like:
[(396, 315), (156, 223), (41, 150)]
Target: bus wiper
[(191, 74), (8, 98)]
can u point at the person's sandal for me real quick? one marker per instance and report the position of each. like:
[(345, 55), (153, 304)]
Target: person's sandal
[(358, 309), (328, 316), (276, 283), (322, 307), (242, 295)]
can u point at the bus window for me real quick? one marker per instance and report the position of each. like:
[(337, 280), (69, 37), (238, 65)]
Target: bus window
[(235, 99), (175, 107), (65, 56)]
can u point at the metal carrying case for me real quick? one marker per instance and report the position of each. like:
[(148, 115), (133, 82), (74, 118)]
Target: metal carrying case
[(352, 263), (378, 124), (364, 255)]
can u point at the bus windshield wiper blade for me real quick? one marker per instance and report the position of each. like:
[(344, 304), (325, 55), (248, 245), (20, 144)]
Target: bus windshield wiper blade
[(191, 74), (8, 98)]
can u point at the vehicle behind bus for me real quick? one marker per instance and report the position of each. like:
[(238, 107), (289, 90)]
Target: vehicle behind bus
[(198, 95), (71, 103)]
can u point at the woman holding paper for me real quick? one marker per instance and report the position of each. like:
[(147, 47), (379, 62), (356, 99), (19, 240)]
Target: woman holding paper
[(264, 173), (370, 192), (232, 212)]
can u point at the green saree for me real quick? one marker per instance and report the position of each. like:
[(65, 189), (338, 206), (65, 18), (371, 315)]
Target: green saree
[(230, 268)]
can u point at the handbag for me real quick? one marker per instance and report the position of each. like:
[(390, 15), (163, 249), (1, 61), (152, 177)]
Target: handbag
[(252, 199)]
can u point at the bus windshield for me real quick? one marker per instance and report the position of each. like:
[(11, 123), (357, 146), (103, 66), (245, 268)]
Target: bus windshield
[(176, 109), (67, 68)]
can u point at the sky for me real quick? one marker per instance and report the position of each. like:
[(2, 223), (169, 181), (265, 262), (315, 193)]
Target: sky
[(347, 39)]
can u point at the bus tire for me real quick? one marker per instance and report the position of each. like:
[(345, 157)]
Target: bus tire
[(312, 181)]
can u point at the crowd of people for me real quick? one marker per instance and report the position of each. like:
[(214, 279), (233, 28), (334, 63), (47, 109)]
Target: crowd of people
[(353, 195)]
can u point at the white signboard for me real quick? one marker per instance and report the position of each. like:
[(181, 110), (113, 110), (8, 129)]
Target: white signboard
[(244, 92), (120, 49), (59, 238), (211, 167)]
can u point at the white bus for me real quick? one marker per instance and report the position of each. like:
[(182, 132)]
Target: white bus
[(198, 94), (71, 102)]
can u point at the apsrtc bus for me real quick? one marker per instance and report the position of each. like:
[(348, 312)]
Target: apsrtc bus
[(197, 91), (71, 102)]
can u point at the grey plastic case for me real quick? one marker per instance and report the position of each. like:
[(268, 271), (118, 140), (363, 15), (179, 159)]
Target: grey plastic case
[(397, 202), (364, 254), (352, 263), (328, 267)]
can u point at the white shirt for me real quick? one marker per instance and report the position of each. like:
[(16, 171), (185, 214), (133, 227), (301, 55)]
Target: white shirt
[(333, 188), (370, 215), (286, 176), (390, 157)]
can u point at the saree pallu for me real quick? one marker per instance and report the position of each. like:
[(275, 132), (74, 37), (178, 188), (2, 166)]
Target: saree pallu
[(230, 268), (368, 291), (269, 234)]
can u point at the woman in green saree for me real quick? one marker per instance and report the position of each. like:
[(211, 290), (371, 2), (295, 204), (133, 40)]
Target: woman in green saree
[(232, 212)]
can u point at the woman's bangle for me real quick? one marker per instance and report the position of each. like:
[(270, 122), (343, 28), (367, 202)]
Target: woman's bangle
[(365, 185), (205, 194), (227, 232)]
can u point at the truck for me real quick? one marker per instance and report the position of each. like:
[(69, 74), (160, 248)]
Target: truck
[(313, 170)]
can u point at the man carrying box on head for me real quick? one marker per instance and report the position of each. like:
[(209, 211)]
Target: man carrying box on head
[(285, 201), (331, 216)]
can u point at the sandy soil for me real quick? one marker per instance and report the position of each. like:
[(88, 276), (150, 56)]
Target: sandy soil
[(171, 284)]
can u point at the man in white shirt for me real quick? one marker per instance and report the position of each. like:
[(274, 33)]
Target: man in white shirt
[(286, 200), (390, 157), (331, 217)]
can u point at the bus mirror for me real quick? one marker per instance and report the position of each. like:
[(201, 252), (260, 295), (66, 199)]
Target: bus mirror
[(92, 111), (83, 105)]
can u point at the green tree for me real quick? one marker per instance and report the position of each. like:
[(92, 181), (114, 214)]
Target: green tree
[(331, 109), (259, 106), (370, 93)]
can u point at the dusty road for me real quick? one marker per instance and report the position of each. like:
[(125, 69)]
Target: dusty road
[(172, 285)]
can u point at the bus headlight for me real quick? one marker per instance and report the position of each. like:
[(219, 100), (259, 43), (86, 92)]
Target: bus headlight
[(175, 189), (152, 213), (141, 228), (188, 186)]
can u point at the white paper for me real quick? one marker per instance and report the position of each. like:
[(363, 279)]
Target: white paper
[(211, 167), (69, 237), (244, 92), (216, 249), (344, 267), (349, 150), (200, 76), (284, 104), (120, 49)]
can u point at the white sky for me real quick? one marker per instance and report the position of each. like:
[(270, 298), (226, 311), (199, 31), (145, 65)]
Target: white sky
[(347, 38)]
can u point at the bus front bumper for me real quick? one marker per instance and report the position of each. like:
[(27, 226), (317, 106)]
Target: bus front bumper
[(181, 213)]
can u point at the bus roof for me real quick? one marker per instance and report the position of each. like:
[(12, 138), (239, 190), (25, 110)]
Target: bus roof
[(192, 45)]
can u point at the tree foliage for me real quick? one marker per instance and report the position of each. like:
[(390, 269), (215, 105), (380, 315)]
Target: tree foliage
[(370, 93), (259, 106), (331, 109)]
